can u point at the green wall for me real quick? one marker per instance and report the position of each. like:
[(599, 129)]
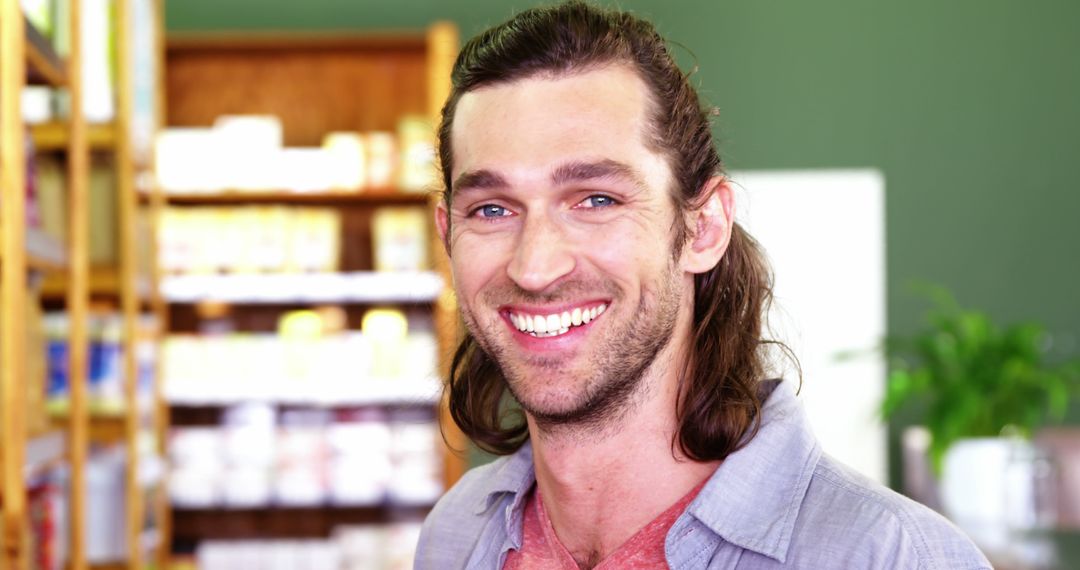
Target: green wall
[(971, 108)]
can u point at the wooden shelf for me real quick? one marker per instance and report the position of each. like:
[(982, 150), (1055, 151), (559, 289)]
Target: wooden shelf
[(379, 197), (104, 429), (280, 522), (54, 136), (104, 282), (44, 253), (108, 429), (360, 287), (43, 65)]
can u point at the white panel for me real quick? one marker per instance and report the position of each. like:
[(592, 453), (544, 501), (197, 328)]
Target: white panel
[(823, 231)]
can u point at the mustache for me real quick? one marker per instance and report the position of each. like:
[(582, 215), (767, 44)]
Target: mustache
[(511, 293)]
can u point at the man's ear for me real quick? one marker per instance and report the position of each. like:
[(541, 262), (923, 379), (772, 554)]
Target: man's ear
[(442, 225), (709, 226)]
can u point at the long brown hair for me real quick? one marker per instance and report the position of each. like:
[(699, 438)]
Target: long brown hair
[(719, 403)]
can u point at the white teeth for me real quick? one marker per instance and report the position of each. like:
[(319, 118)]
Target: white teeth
[(554, 323)]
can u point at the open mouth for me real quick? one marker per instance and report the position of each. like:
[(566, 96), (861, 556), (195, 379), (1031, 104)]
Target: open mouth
[(555, 324)]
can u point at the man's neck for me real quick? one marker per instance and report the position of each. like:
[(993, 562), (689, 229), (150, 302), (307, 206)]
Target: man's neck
[(601, 486)]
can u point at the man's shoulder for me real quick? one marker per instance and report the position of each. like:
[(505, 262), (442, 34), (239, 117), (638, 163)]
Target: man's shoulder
[(456, 524), (872, 525)]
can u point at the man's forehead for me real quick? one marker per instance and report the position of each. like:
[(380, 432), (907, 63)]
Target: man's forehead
[(548, 121), (614, 91)]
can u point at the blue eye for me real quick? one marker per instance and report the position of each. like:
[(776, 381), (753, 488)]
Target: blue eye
[(598, 201), (491, 211)]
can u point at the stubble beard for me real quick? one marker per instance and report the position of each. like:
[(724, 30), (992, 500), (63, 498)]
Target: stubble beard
[(612, 382)]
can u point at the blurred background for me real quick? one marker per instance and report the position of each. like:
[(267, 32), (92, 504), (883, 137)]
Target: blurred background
[(225, 327)]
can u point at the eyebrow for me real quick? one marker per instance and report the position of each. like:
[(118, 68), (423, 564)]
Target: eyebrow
[(584, 171), (478, 180), (577, 171)]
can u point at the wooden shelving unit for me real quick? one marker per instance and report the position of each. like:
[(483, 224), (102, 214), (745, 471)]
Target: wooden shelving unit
[(27, 57), (61, 274), (314, 84)]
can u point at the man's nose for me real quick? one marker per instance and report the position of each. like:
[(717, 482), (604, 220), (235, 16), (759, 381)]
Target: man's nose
[(543, 255)]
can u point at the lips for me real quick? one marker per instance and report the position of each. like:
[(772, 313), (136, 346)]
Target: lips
[(555, 324)]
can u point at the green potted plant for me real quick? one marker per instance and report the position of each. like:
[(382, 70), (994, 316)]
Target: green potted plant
[(970, 377), (969, 381)]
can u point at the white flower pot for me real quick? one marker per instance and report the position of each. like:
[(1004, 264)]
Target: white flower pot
[(991, 486)]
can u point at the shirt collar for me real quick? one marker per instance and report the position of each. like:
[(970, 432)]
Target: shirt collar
[(513, 474), (753, 498)]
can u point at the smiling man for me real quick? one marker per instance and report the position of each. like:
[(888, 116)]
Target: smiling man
[(609, 296)]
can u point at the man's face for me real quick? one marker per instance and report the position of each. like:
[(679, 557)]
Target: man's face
[(560, 238)]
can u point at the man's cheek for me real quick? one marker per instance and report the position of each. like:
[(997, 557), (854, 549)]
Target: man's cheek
[(470, 274)]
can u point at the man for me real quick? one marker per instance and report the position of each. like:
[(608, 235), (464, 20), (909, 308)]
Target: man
[(607, 289)]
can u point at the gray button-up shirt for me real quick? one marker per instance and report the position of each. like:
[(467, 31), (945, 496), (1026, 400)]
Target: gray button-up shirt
[(778, 502)]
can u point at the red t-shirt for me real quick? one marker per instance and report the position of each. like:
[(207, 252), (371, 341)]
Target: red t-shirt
[(541, 549)]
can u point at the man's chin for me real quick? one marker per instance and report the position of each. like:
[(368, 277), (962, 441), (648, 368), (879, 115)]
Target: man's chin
[(547, 404), (561, 370), (549, 415)]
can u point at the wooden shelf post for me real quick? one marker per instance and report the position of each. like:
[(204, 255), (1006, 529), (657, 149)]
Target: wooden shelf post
[(157, 301), (442, 45), (12, 285), (129, 300), (78, 293)]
